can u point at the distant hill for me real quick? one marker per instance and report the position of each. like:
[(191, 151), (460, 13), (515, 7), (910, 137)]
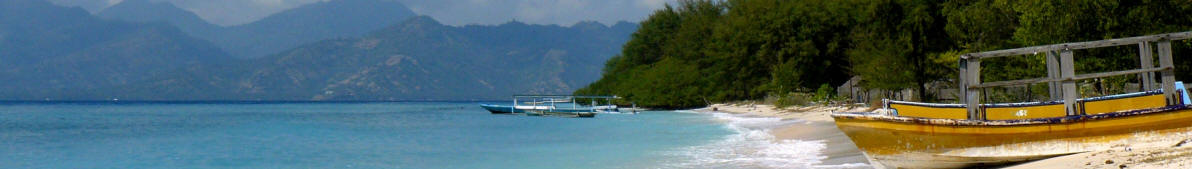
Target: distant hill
[(59, 53), (311, 23), (418, 59), (144, 11), (275, 33), (47, 49)]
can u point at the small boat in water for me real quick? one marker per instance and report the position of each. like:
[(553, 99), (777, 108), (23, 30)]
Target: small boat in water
[(973, 134), (554, 105)]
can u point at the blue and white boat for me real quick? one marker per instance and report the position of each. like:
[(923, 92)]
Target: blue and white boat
[(555, 105)]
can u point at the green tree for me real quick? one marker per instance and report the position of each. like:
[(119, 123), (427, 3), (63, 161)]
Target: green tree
[(897, 45), (699, 51)]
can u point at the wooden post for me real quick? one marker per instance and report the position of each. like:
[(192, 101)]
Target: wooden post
[(1173, 98), (1053, 72), (962, 82), (973, 78), (1067, 73), (1147, 61)]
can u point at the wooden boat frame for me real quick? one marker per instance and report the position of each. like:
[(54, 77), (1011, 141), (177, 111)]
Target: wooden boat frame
[(927, 135), (1061, 74)]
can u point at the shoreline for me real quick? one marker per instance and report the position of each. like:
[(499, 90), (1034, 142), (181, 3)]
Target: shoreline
[(815, 125), (818, 125)]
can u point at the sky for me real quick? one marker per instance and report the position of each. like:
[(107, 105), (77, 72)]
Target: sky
[(451, 12)]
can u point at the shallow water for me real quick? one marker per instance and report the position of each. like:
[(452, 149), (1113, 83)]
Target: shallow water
[(376, 135), (753, 146)]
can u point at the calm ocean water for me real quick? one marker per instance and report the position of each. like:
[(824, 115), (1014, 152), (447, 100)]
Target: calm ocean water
[(373, 135)]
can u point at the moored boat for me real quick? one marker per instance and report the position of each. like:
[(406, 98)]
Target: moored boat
[(928, 135), (500, 109), (553, 105)]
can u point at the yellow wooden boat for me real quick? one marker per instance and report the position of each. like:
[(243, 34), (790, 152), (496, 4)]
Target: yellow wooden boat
[(927, 135)]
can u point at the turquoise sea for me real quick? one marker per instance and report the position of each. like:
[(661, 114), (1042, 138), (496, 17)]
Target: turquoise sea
[(369, 135)]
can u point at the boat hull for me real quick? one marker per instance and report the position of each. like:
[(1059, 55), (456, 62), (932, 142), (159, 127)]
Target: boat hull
[(499, 109), (901, 142), (539, 111), (563, 113)]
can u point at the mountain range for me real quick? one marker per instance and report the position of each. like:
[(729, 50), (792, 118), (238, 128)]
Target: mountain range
[(275, 33), (336, 50), (143, 11), (45, 48)]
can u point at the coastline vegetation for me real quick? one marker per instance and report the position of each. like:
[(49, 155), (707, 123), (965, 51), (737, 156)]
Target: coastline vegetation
[(697, 52)]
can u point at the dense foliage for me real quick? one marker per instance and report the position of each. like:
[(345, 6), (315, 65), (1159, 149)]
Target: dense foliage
[(701, 51)]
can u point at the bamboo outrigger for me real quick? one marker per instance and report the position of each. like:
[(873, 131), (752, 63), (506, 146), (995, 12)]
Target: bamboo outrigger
[(926, 135)]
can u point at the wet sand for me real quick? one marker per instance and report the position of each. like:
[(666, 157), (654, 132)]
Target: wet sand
[(818, 125), (1167, 153)]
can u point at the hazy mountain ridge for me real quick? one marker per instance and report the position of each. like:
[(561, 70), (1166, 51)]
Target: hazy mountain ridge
[(145, 11), (419, 59), (50, 49), (311, 23), (60, 53), (275, 33)]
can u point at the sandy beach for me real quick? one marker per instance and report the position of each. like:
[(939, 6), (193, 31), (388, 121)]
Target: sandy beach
[(1175, 152), (818, 126), (1171, 152)]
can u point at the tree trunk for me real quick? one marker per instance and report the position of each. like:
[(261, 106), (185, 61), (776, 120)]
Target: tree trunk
[(919, 60)]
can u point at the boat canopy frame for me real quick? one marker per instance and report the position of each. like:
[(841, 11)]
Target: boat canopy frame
[(1061, 74), (557, 97)]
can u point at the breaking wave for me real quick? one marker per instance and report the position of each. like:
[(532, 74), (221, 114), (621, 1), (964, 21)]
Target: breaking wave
[(752, 146)]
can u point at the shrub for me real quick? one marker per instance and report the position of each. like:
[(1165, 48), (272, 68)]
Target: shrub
[(793, 99), (824, 93)]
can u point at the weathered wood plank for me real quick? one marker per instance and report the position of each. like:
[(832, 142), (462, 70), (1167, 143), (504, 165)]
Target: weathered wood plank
[(1015, 82), (1119, 73), (963, 81), (1146, 61), (1061, 79), (1079, 45), (1168, 75), (973, 97), (1068, 71), (1053, 72)]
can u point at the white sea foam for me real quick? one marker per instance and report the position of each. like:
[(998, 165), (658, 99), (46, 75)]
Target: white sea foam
[(752, 146)]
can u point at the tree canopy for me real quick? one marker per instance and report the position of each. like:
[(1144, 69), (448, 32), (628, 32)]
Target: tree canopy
[(699, 51)]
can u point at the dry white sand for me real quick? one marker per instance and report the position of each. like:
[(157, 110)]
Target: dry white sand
[(1162, 154)]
